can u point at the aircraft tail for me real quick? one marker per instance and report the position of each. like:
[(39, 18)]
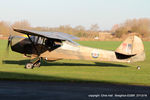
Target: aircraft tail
[(132, 48)]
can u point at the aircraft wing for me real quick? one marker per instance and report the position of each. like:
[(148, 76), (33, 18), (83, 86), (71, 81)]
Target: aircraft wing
[(52, 35)]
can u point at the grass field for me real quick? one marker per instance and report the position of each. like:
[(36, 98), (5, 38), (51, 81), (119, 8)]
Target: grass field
[(12, 68)]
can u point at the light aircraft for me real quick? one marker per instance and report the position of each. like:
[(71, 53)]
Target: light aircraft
[(52, 46)]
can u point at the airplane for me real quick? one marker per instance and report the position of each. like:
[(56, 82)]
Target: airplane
[(52, 46)]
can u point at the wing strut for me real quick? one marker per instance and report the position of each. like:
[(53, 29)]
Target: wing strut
[(33, 45), (37, 60)]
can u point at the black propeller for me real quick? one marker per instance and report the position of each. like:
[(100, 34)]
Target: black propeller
[(9, 42), (10, 36)]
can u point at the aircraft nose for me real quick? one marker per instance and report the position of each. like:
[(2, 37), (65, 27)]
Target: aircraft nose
[(16, 43)]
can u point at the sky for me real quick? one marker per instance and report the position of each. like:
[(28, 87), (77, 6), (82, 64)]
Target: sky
[(53, 13)]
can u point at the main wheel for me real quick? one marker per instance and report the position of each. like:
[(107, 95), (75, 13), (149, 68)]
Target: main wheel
[(29, 66)]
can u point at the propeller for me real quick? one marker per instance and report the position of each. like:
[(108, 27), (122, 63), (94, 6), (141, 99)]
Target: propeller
[(8, 44), (9, 39)]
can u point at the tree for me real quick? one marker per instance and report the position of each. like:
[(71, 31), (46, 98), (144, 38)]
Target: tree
[(114, 28), (22, 24), (4, 28), (94, 27), (80, 31), (141, 26), (80, 28)]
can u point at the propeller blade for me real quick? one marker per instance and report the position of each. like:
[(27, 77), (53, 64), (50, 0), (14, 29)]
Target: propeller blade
[(9, 42)]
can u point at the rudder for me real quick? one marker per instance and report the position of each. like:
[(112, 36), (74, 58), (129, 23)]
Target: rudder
[(132, 46)]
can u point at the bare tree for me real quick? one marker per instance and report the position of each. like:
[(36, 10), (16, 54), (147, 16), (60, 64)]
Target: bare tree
[(141, 26), (4, 28), (21, 24), (80, 28), (94, 27)]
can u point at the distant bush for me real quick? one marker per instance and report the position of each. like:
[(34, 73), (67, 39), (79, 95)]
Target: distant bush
[(141, 26)]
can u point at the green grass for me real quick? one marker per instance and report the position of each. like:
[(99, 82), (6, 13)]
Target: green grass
[(12, 68)]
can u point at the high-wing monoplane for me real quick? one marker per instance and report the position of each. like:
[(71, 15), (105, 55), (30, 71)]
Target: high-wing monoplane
[(52, 46)]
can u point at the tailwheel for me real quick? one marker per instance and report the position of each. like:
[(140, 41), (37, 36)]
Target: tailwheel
[(29, 66)]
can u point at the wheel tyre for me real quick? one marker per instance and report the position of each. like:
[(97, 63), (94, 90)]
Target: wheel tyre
[(138, 67), (29, 66)]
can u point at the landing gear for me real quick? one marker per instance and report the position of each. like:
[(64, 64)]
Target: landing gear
[(35, 63), (29, 66)]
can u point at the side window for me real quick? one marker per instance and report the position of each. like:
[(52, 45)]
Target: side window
[(40, 40), (37, 40)]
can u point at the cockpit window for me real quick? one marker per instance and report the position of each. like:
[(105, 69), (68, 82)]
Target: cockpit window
[(36, 39), (45, 41)]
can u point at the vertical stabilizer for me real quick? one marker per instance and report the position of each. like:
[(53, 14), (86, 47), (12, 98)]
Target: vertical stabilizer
[(133, 45)]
